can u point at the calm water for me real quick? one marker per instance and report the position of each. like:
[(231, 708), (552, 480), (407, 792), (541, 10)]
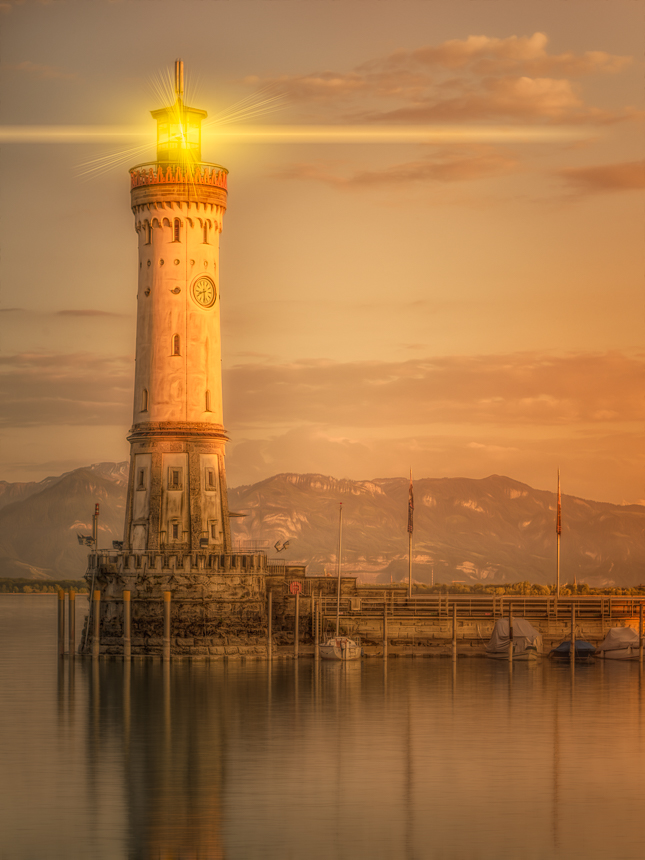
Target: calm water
[(417, 760)]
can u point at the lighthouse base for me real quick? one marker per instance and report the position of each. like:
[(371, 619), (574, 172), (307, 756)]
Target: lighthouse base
[(217, 604)]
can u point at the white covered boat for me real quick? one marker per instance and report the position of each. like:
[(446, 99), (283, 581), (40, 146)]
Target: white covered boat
[(527, 641), (340, 648), (620, 643)]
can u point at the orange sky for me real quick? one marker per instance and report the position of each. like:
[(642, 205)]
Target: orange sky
[(464, 306)]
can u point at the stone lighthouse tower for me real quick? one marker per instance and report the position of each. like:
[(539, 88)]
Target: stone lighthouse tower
[(177, 585), (176, 499)]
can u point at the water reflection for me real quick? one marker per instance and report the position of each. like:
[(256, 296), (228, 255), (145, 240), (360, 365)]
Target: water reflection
[(400, 759), (379, 759)]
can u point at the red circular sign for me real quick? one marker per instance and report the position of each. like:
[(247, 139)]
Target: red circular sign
[(295, 587)]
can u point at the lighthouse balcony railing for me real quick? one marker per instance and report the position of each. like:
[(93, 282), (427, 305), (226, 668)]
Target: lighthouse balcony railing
[(173, 172), (114, 561)]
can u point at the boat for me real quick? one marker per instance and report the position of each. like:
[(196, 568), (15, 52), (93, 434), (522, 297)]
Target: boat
[(340, 647), (584, 652), (527, 641), (620, 643)]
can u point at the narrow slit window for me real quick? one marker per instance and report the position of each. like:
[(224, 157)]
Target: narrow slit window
[(213, 531), (208, 401), (210, 479), (144, 400), (148, 233), (175, 531), (175, 230), (142, 480), (175, 345), (205, 232)]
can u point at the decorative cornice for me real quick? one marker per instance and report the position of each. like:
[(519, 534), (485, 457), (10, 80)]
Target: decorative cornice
[(177, 430)]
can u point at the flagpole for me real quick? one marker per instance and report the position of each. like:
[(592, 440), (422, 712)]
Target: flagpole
[(558, 529), (410, 565), (340, 549), (410, 529)]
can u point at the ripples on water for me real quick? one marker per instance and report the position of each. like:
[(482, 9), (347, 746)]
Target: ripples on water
[(413, 759)]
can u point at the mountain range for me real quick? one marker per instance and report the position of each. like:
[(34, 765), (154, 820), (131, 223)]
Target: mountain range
[(492, 529)]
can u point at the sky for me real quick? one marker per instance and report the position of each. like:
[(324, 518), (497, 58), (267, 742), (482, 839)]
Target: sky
[(447, 276)]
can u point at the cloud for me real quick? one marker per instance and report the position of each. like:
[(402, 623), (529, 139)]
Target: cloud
[(476, 79), (471, 164), (616, 475), (518, 389), (627, 176), (37, 70), (87, 313), (488, 56), (87, 389)]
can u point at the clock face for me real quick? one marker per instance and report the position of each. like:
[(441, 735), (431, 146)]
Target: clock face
[(204, 292)]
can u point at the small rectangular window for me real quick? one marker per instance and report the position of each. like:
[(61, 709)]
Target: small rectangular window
[(210, 479), (141, 483), (175, 531), (214, 530), (174, 479)]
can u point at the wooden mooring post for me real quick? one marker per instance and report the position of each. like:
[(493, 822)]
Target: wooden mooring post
[(385, 629), (315, 609), (96, 635), (71, 623), (127, 624), (296, 625), (61, 623), (269, 626), (454, 630), (167, 597)]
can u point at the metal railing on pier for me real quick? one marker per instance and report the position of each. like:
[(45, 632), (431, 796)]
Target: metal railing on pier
[(487, 607)]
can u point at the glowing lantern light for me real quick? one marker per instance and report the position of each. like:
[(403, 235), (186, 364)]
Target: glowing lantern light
[(179, 128)]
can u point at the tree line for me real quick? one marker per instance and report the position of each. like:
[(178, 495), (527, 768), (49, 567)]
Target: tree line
[(41, 586)]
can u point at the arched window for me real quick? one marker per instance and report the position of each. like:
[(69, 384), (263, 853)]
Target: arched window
[(205, 232), (175, 230), (144, 400), (175, 345), (208, 401)]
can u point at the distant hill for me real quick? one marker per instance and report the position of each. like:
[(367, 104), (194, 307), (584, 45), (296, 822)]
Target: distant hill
[(38, 532), (491, 530)]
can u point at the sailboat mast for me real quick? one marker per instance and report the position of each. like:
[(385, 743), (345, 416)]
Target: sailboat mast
[(340, 549), (558, 529)]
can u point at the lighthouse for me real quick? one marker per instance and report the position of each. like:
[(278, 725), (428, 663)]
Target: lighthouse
[(176, 499), (176, 586)]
